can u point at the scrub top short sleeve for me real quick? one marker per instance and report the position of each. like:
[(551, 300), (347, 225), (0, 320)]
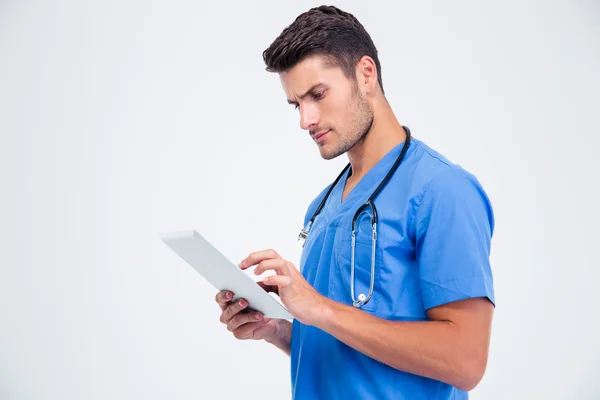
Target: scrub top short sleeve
[(454, 223)]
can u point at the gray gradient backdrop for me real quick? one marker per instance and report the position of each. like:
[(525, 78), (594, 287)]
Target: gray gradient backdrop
[(120, 120)]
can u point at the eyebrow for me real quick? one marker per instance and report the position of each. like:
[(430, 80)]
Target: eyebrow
[(313, 87)]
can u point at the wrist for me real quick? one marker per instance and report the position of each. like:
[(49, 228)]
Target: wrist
[(323, 312), (280, 333)]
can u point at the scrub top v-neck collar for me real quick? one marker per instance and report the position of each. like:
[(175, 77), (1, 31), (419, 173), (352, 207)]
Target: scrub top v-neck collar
[(366, 183)]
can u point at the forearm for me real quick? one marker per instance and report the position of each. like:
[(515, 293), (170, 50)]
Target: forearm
[(434, 349), (282, 336)]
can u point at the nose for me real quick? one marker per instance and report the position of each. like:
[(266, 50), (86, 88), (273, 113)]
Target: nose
[(309, 117)]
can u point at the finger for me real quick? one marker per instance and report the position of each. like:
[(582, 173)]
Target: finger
[(249, 330), (280, 281), (243, 318), (257, 257), (223, 298), (232, 310), (278, 265)]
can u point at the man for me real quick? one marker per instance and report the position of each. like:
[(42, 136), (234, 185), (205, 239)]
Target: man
[(423, 330)]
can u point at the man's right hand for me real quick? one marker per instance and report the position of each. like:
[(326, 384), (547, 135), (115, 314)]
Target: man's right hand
[(242, 323)]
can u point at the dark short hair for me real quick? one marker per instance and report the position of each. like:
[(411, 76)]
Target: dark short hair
[(326, 31)]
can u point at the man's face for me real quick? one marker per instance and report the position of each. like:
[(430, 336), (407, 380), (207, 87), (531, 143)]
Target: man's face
[(331, 106)]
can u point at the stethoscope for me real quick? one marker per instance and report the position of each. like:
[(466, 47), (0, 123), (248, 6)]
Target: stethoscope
[(362, 298)]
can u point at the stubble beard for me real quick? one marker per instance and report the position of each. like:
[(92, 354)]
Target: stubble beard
[(360, 127)]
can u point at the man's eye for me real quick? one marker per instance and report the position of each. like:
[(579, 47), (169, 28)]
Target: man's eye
[(296, 106), (318, 95)]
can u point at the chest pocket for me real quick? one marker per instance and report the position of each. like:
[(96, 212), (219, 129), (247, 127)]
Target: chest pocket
[(341, 279)]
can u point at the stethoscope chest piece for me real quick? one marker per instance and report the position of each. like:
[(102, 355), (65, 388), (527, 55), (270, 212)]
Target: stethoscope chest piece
[(361, 300)]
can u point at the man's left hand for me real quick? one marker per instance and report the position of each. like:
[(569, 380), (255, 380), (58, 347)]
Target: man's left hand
[(297, 295)]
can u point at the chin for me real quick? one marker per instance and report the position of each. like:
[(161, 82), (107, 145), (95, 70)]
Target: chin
[(329, 154)]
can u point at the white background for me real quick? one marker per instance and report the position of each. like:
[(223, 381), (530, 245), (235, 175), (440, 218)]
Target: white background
[(120, 120)]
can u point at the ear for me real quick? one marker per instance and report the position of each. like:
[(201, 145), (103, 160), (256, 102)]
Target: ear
[(366, 75)]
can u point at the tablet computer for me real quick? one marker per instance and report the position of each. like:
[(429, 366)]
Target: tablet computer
[(223, 274)]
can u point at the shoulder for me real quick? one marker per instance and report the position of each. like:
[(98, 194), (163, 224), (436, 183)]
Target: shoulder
[(445, 184), (434, 171), (431, 164)]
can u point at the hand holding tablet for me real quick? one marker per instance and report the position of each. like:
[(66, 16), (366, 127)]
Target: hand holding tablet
[(223, 274)]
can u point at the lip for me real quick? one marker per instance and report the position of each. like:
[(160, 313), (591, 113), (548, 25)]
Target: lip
[(321, 136)]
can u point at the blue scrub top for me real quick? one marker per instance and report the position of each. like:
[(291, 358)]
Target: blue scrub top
[(434, 233)]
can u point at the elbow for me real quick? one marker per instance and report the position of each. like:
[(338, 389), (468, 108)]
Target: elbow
[(470, 373), (467, 383)]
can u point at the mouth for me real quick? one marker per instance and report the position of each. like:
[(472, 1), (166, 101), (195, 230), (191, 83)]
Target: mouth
[(321, 136)]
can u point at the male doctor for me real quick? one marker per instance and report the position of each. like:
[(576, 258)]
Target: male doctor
[(424, 330)]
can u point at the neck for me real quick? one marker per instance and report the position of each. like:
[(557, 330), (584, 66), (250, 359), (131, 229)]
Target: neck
[(385, 134)]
